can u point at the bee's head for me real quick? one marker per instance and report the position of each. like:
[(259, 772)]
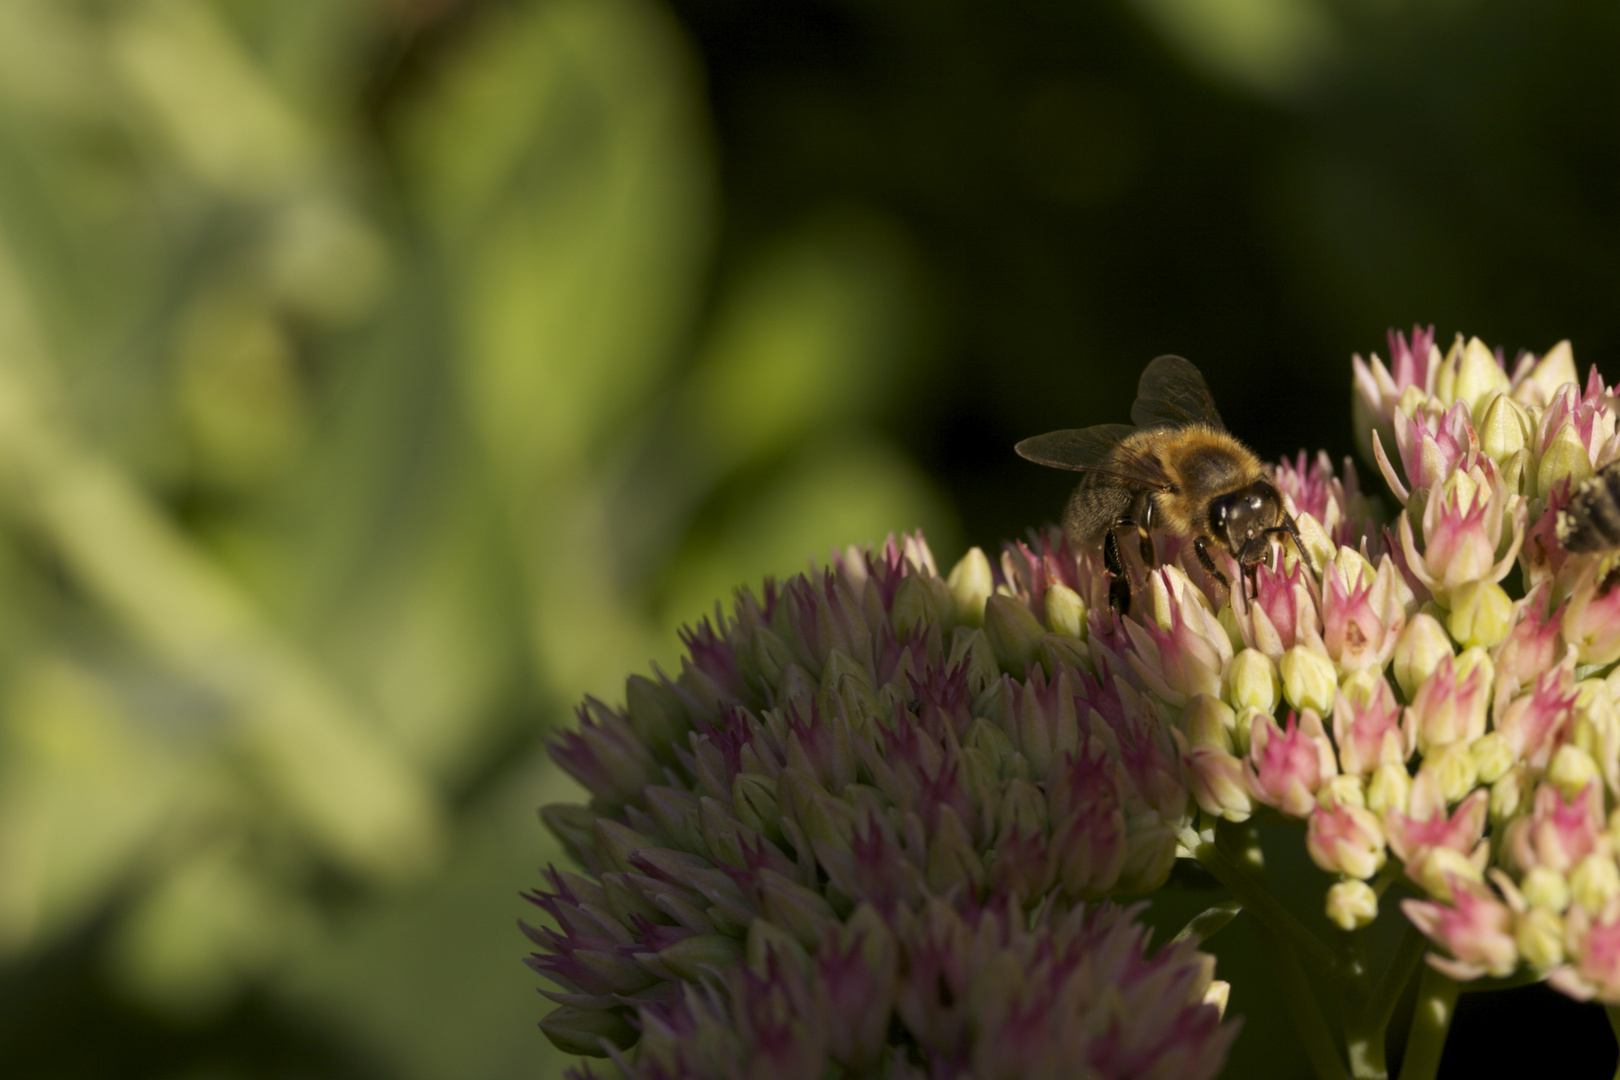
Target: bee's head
[(1239, 520)]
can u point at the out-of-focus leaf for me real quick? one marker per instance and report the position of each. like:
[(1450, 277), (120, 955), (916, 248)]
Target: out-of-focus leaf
[(82, 796), (432, 981), (222, 118), (816, 331), (1273, 46), (317, 750), (561, 162), (212, 921)]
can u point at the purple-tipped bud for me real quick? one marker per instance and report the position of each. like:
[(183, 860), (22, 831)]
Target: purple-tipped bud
[(1184, 654), (584, 1031)]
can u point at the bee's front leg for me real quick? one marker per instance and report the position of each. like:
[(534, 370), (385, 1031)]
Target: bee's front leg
[(1201, 549)]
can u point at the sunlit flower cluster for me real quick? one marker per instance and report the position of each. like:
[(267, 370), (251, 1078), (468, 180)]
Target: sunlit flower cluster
[(883, 800), (1510, 822), (880, 807)]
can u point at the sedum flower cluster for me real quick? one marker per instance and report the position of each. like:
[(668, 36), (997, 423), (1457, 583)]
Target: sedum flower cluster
[(1496, 783), (873, 825), (865, 832)]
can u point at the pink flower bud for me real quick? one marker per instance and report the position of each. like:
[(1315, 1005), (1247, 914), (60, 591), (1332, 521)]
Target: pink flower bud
[(1427, 826), (1371, 733), (1593, 943), (1345, 839), (1433, 445), (1084, 806), (1536, 724), (1476, 929), (1462, 528), (1287, 765), (1378, 389), (1584, 419), (1185, 655), (1591, 622), (1531, 647), (1337, 504), (1361, 619), (1450, 707), (1558, 833), (1282, 614)]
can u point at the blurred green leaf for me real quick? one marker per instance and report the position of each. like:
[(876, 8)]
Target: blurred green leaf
[(562, 163)]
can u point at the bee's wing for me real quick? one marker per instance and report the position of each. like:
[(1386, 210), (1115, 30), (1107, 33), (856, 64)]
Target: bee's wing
[(1173, 393), (1097, 449)]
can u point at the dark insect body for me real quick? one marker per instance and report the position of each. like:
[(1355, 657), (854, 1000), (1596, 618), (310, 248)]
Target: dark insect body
[(1591, 522), (1176, 470)]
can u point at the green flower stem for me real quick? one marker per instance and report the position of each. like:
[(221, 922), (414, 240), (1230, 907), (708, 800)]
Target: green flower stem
[(1283, 937), (1613, 1013), (1258, 899), (1302, 1006), (1436, 1005), (1365, 1048), (1392, 984), (1386, 877), (1367, 1015)]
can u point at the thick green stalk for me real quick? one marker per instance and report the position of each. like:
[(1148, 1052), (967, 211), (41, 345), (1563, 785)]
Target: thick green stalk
[(1303, 1008), (1613, 1013), (1363, 1047), (1436, 1005), (1259, 900), (1367, 1018)]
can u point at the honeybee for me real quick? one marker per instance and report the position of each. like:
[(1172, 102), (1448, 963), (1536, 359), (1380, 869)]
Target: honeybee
[(1176, 470)]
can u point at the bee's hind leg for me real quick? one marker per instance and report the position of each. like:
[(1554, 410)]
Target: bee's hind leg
[(1201, 549), (1119, 586), (1141, 520)]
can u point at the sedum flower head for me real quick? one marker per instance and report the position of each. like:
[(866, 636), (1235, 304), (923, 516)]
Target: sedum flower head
[(873, 782)]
